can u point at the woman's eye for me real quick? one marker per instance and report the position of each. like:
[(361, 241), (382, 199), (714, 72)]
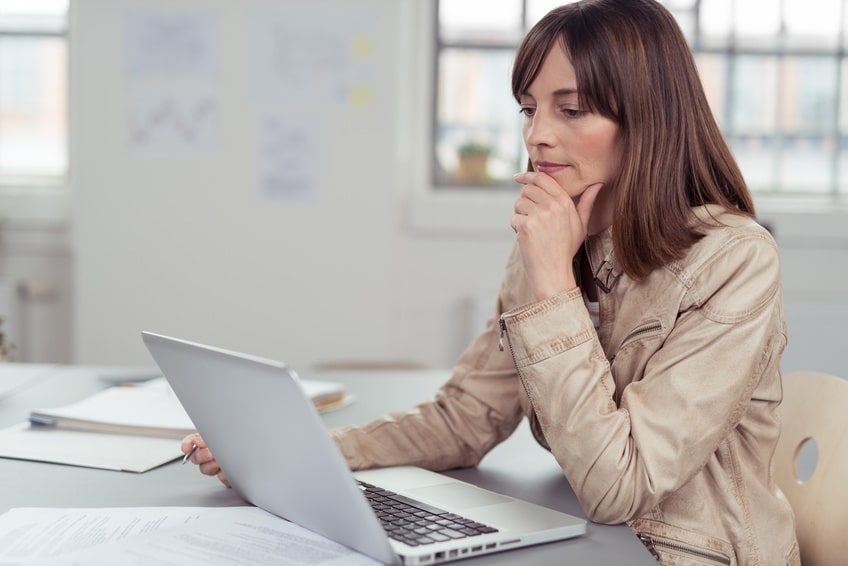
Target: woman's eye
[(572, 112), (527, 110)]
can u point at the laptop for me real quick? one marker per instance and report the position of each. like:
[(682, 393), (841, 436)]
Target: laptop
[(278, 455)]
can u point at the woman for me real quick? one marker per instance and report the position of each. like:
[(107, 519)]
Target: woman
[(639, 326)]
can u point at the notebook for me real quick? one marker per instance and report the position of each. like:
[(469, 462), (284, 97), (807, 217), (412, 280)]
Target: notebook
[(278, 455)]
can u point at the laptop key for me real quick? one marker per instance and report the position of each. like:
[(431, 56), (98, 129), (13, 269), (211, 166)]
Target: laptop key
[(419, 504), (452, 533), (417, 523)]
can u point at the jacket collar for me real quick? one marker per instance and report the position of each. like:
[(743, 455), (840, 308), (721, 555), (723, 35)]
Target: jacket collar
[(602, 259), (601, 254)]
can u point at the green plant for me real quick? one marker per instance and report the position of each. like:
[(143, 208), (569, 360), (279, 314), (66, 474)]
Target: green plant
[(6, 347), (474, 148)]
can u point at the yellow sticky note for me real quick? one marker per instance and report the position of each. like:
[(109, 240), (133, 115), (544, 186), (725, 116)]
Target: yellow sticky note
[(361, 95), (363, 47)]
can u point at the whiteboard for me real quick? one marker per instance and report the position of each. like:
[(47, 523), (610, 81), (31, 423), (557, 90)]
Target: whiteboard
[(228, 175)]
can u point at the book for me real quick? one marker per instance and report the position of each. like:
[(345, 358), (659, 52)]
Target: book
[(326, 395), (152, 409)]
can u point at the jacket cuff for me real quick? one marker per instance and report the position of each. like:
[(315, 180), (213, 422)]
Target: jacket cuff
[(344, 441), (546, 328)]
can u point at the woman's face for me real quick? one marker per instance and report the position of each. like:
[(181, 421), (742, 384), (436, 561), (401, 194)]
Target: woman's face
[(575, 147)]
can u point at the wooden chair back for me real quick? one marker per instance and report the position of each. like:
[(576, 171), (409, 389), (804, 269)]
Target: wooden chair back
[(815, 406)]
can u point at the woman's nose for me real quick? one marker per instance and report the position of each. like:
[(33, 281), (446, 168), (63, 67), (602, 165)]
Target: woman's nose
[(538, 131)]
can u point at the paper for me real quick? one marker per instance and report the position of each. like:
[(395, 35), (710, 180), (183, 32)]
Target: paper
[(119, 452), (290, 157), (326, 395), (28, 533), (131, 429), (293, 50), (178, 43), (150, 408), (172, 119), (151, 536)]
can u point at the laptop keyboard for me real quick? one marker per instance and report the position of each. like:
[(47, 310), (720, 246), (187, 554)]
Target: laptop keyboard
[(416, 523)]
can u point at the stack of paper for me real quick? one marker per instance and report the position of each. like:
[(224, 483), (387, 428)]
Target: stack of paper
[(131, 428), (326, 395), (152, 409), (148, 409)]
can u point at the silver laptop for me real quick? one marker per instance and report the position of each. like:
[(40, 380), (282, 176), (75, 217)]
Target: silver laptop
[(277, 453)]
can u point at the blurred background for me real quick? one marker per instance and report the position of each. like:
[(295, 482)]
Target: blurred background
[(329, 181)]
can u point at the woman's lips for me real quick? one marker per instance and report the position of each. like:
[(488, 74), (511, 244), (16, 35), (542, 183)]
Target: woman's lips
[(548, 167)]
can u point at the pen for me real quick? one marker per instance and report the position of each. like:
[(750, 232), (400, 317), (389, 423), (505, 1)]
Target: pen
[(189, 453)]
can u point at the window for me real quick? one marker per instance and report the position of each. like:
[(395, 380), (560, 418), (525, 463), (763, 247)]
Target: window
[(33, 92), (478, 127), (776, 74)]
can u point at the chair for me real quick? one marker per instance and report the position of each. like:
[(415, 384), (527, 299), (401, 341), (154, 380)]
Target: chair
[(815, 406)]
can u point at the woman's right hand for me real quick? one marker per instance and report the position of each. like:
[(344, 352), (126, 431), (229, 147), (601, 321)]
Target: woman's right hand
[(203, 457), (550, 227)]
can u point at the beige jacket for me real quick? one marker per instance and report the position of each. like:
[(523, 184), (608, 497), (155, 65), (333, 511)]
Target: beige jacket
[(663, 418)]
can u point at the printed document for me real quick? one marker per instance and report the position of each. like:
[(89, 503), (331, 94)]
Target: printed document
[(159, 536)]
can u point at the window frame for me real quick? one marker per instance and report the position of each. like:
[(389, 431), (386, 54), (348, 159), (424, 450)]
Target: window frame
[(35, 190), (483, 211), (462, 211)]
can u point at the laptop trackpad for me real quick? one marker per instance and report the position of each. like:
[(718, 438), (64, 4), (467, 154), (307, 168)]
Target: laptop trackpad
[(458, 495)]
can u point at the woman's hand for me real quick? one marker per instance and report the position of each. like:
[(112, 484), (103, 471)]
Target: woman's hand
[(203, 457), (550, 227)]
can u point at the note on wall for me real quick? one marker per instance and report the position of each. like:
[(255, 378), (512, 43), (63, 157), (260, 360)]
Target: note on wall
[(171, 42), (166, 50), (176, 119), (299, 63), (290, 157), (303, 55)]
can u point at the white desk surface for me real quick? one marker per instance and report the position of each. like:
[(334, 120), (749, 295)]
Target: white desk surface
[(518, 467)]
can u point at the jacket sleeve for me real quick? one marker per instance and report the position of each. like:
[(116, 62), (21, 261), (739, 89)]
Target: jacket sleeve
[(476, 409), (623, 459)]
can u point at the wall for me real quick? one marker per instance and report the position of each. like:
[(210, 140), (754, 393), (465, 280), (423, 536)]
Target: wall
[(814, 261), (180, 239), (35, 276)]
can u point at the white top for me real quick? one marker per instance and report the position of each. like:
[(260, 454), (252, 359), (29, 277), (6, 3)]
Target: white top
[(594, 311)]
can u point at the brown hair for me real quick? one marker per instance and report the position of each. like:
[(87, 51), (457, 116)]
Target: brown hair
[(633, 66)]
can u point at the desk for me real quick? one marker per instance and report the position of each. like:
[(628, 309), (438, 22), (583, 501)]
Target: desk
[(518, 467)]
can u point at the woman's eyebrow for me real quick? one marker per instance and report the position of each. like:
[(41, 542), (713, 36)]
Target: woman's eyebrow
[(565, 91)]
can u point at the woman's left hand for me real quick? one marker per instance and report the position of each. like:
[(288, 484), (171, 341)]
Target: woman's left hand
[(550, 227)]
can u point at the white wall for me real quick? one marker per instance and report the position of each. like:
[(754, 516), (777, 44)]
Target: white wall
[(35, 276), (814, 261), (180, 242)]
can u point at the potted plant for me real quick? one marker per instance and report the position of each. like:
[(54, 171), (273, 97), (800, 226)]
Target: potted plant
[(472, 165), (6, 347)]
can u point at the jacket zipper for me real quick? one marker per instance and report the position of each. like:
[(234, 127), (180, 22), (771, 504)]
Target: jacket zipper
[(651, 543), (650, 327), (502, 324), (642, 330)]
